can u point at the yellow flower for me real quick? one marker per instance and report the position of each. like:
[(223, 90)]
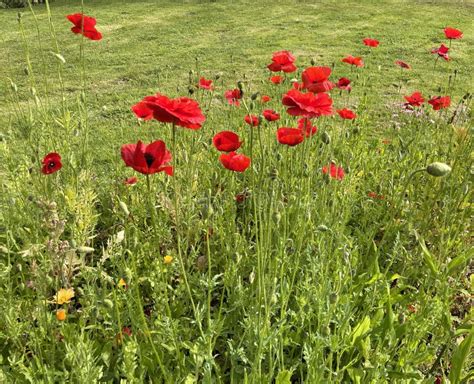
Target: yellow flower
[(122, 284), (168, 259), (61, 314), (64, 296)]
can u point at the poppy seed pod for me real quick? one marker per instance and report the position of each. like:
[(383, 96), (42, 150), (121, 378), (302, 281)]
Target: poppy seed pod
[(325, 138), (437, 169)]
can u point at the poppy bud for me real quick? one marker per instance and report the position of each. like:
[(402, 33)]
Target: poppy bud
[(84, 249), (322, 228), (190, 90), (313, 62), (325, 138), (26, 71), (254, 96), (356, 130), (13, 86), (191, 72), (124, 208), (218, 75), (240, 84), (438, 169)]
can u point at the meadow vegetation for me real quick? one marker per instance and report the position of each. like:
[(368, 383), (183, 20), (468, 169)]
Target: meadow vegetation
[(336, 252)]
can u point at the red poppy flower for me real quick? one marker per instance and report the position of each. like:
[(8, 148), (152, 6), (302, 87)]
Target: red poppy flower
[(315, 79), (371, 42), (276, 79), (440, 102), (334, 171), (234, 161), (84, 25), (147, 159), (452, 33), (297, 85), (403, 64), (346, 114), (130, 180), (205, 84), (357, 61), (344, 83), (307, 104), (181, 111), (282, 61), (233, 96), (226, 141), (252, 120), (265, 99), (415, 99), (289, 136), (442, 51), (306, 127), (51, 163), (270, 115)]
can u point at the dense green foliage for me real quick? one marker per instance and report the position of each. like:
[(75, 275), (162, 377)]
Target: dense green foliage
[(308, 278)]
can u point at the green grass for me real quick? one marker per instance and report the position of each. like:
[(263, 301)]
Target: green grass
[(308, 280)]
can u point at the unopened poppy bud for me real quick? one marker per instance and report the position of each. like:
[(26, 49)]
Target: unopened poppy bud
[(124, 208), (190, 90), (313, 62), (322, 228), (254, 96), (85, 249), (356, 130), (325, 138), (218, 75), (240, 84), (438, 169), (26, 71)]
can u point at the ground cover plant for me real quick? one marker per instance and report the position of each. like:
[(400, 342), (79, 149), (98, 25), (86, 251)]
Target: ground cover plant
[(236, 192)]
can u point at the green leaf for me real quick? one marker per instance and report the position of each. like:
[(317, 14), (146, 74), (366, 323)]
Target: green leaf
[(283, 377), (459, 261), (429, 259), (361, 329), (460, 355)]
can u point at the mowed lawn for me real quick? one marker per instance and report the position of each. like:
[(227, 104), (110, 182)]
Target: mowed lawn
[(280, 274)]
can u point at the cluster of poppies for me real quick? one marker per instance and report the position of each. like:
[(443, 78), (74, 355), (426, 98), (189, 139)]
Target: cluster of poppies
[(308, 99)]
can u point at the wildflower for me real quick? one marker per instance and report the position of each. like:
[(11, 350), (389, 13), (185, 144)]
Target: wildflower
[(51, 163), (226, 141), (233, 96), (306, 127), (307, 104), (415, 99), (344, 84), (205, 84), (442, 51), (452, 33), (64, 296), (282, 61), (276, 79), (252, 120), (440, 102), (270, 115), (289, 136), (130, 180), (346, 114), (122, 284), (334, 171), (84, 25), (181, 111), (147, 159), (235, 162), (357, 61), (315, 79), (61, 314), (265, 99), (168, 259), (371, 42), (402, 64)]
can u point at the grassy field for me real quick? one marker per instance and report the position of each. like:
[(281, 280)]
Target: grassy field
[(302, 278)]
